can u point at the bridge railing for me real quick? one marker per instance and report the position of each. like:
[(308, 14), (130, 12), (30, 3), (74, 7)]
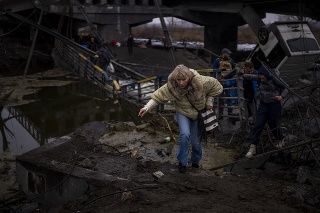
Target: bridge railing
[(238, 101), (67, 56), (139, 92)]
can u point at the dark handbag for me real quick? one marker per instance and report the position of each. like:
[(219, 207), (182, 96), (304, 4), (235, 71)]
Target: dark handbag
[(209, 119)]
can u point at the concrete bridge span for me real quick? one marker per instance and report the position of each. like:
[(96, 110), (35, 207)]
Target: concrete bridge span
[(113, 21), (116, 17), (220, 19)]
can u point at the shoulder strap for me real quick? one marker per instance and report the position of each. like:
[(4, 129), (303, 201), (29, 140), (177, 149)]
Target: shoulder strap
[(191, 103)]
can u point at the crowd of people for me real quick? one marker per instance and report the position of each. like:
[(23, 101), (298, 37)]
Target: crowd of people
[(101, 58), (271, 92), (191, 92)]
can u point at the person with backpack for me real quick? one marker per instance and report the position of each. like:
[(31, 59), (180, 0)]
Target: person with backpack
[(271, 92), (225, 63)]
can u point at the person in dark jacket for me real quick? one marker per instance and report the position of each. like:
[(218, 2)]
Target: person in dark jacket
[(130, 43), (271, 92), (104, 62), (92, 45), (250, 90)]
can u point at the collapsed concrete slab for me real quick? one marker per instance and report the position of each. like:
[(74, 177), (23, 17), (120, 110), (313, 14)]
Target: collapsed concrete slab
[(70, 166)]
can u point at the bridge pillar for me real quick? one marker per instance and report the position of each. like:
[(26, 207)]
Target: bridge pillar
[(220, 29), (116, 32), (131, 2), (117, 2), (145, 2), (221, 34)]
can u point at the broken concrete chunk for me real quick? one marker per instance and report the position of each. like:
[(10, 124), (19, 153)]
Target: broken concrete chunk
[(142, 127), (158, 174)]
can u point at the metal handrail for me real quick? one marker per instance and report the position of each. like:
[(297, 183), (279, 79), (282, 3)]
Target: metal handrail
[(137, 92), (83, 66)]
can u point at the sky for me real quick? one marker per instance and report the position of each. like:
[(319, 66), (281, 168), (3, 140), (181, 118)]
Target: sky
[(271, 17)]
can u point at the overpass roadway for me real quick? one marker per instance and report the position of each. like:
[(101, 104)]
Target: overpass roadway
[(220, 19)]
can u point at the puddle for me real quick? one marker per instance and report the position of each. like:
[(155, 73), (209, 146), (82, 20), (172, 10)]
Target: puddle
[(57, 111)]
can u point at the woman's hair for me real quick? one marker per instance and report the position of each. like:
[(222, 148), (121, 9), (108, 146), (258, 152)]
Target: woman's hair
[(183, 72)]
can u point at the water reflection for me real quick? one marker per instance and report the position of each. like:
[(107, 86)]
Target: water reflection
[(16, 132), (57, 111)]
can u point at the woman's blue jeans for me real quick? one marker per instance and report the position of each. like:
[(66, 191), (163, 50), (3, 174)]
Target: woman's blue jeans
[(188, 132)]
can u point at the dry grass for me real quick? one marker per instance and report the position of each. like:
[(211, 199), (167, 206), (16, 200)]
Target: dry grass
[(176, 33), (196, 33), (245, 34)]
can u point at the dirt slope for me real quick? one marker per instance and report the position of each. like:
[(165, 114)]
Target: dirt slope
[(157, 61)]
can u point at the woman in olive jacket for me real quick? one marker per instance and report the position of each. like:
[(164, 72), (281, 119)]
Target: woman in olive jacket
[(186, 86)]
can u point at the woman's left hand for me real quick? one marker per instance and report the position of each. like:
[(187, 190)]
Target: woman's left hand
[(209, 107)]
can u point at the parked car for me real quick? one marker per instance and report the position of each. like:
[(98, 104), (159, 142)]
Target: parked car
[(289, 47)]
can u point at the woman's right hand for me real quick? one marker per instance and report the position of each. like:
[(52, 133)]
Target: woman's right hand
[(143, 111)]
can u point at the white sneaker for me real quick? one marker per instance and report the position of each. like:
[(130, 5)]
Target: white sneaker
[(281, 144), (252, 151)]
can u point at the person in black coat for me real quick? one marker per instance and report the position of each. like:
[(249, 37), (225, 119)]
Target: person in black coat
[(130, 43)]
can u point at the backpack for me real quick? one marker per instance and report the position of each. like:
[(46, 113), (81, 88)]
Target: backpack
[(225, 66)]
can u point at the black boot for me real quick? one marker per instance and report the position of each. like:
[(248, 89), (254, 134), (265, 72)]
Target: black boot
[(182, 169), (195, 165)]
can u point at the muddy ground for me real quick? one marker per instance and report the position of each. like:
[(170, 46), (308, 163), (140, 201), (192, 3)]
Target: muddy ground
[(126, 173), (134, 153)]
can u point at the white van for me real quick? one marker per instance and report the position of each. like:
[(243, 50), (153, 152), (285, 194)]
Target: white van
[(289, 47)]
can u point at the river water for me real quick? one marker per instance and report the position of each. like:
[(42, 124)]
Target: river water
[(58, 111)]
